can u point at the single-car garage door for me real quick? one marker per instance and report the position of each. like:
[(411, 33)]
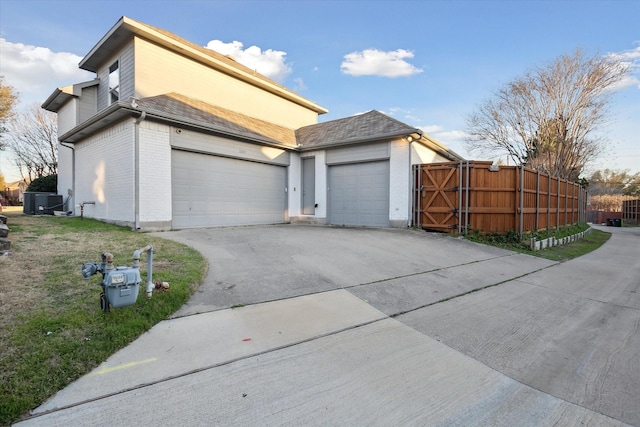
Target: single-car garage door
[(210, 191), (359, 194)]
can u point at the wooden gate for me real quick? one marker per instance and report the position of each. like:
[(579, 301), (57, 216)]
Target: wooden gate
[(436, 196), (475, 195)]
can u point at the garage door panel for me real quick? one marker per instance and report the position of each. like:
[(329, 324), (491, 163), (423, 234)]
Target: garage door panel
[(209, 191), (359, 194)]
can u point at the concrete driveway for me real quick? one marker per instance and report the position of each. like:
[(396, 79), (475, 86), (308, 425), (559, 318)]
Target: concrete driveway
[(343, 326)]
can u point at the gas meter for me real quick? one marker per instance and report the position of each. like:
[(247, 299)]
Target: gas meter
[(120, 285)]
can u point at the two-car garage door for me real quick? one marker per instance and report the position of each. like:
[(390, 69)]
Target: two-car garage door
[(210, 191)]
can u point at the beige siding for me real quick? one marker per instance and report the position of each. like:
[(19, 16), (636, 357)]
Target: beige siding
[(67, 116), (159, 71), (65, 174), (87, 104), (421, 154), (126, 67)]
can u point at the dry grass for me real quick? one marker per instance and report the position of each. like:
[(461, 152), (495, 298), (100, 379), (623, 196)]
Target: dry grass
[(21, 271), (42, 294)]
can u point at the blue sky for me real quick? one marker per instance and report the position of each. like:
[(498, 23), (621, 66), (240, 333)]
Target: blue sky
[(426, 63)]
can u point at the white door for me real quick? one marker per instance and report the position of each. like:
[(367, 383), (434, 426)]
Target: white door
[(210, 191), (358, 194)]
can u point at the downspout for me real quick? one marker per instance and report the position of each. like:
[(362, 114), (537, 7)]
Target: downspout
[(72, 196), (136, 166)]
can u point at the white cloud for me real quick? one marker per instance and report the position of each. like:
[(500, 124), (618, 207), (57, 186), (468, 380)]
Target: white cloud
[(432, 129), (374, 62), (443, 135), (270, 63), (453, 139), (36, 71), (632, 55), (299, 84), (629, 59)]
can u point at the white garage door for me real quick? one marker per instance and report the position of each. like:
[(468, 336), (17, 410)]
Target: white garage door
[(359, 194), (210, 191)]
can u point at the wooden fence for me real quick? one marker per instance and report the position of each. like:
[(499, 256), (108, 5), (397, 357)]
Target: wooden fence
[(631, 212), (476, 195)]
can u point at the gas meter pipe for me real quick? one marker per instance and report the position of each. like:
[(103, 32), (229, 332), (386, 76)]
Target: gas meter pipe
[(136, 264)]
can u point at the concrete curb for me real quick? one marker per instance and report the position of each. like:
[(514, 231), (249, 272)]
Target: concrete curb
[(549, 242)]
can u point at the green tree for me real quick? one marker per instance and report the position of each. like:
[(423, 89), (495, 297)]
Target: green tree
[(547, 119)]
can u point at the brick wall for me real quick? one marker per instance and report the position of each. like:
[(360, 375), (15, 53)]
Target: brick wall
[(155, 175), (399, 171), (104, 165)]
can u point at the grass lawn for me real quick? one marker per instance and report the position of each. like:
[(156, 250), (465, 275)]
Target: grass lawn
[(590, 242), (52, 329)]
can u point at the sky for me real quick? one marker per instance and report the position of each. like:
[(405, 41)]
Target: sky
[(427, 63)]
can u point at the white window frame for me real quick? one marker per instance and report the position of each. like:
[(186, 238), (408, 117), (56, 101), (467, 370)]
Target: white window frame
[(114, 82)]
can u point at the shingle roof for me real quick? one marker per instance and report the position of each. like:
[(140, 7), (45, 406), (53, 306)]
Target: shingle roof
[(369, 126), (178, 107)]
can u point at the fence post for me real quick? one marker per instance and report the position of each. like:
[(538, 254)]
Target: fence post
[(521, 199), (417, 181), (548, 201), (566, 204), (537, 200), (558, 205), (466, 211), (414, 183), (460, 198)]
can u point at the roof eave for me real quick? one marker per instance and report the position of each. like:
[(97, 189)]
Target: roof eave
[(374, 138), (61, 95), (57, 98), (108, 116)]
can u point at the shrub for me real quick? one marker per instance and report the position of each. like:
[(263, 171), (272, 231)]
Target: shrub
[(45, 184)]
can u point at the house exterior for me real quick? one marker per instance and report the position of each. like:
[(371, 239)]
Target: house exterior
[(14, 191), (172, 135)]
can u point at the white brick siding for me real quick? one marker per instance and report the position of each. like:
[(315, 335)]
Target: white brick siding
[(399, 170), (155, 175), (105, 174), (321, 183), (294, 185)]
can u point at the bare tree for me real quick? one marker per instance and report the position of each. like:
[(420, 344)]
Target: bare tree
[(8, 99), (33, 138), (547, 119)]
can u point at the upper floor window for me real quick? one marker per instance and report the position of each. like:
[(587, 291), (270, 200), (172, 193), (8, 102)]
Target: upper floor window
[(114, 83)]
